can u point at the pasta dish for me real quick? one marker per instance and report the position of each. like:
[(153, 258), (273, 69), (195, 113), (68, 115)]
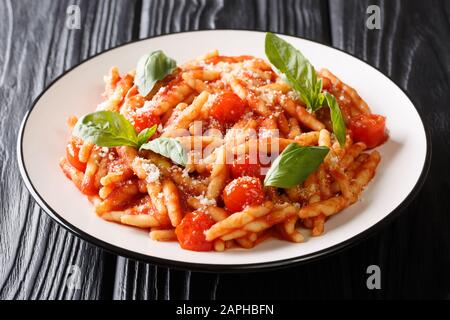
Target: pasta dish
[(225, 151)]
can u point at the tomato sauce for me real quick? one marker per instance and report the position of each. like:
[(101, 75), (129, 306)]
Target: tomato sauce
[(72, 152)]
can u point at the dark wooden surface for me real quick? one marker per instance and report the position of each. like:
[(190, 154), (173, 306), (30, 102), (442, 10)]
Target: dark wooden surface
[(412, 47)]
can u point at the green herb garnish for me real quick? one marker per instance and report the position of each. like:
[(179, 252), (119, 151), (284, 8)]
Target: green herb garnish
[(150, 69), (110, 129), (294, 165)]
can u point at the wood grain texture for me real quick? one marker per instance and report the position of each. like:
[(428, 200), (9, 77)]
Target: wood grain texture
[(35, 47), (35, 253), (412, 48)]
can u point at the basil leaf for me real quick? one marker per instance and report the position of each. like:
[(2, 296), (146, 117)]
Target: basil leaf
[(295, 69), (301, 75), (337, 120), (106, 129), (152, 68), (169, 148), (145, 134), (294, 165)]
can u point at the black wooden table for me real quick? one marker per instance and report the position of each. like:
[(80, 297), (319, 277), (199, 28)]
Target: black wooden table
[(412, 47)]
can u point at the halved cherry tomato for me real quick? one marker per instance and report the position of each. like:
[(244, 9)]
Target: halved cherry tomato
[(245, 165), (143, 119), (191, 231), (227, 108), (368, 128), (72, 151), (242, 192)]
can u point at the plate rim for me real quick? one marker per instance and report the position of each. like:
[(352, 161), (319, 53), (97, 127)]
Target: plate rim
[(205, 267)]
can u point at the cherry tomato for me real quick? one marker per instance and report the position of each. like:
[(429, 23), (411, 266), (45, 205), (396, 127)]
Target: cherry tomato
[(191, 231), (144, 119), (242, 192), (370, 129), (227, 108), (246, 166), (72, 151)]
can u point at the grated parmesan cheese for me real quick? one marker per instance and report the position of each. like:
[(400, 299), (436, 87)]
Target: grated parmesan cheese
[(111, 156), (297, 205), (293, 95), (269, 96), (268, 133), (185, 173), (103, 152), (204, 201), (152, 172)]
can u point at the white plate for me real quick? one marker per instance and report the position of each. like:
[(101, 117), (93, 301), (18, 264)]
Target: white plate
[(43, 137)]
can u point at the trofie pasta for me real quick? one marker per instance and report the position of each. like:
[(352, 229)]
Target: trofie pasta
[(225, 151)]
